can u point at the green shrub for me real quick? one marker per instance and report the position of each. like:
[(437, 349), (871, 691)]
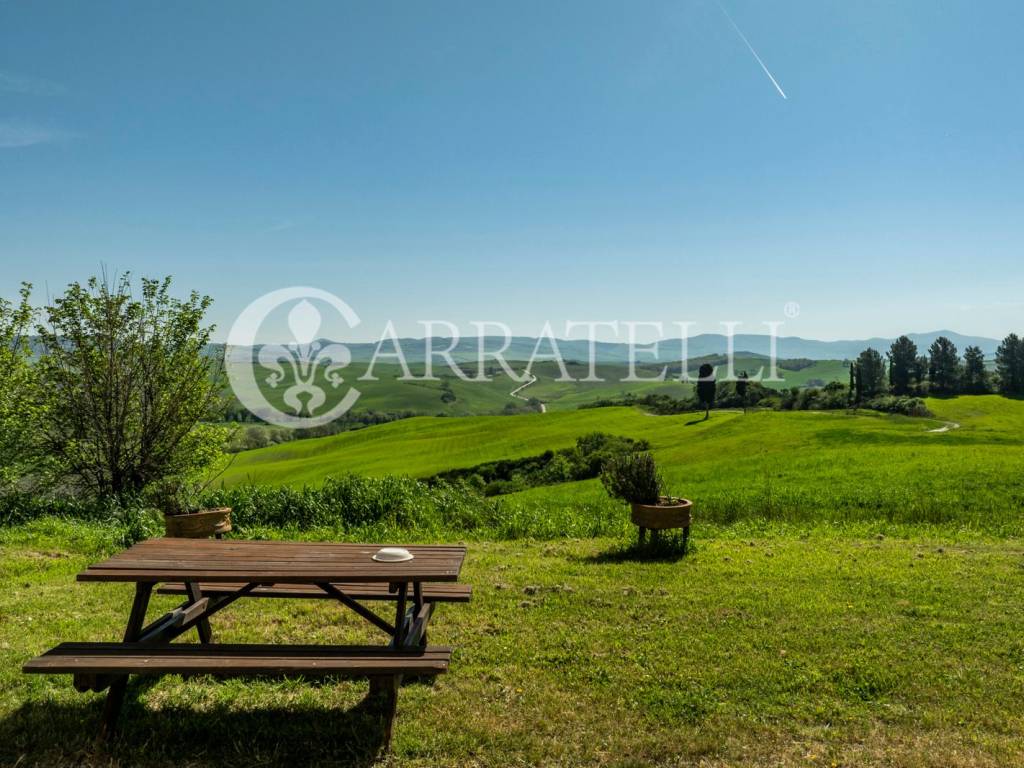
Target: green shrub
[(632, 477), (581, 462), (908, 406)]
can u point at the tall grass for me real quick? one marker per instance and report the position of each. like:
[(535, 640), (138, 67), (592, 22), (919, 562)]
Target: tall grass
[(353, 504), (376, 508)]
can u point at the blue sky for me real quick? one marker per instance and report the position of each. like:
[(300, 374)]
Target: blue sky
[(527, 161)]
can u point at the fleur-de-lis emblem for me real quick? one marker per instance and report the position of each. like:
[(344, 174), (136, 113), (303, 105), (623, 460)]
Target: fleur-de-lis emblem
[(304, 356)]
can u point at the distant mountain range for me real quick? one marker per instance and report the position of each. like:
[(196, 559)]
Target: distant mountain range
[(788, 347), (669, 350)]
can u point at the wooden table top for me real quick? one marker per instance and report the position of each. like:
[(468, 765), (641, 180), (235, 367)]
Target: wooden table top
[(270, 562)]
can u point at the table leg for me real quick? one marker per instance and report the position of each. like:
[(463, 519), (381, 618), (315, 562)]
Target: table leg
[(203, 627), (417, 595), (115, 696), (417, 592), (400, 623), (384, 688)]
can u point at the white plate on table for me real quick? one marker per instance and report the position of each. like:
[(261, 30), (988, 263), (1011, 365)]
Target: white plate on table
[(392, 555)]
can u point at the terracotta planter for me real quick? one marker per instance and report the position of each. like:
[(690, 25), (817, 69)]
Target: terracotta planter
[(198, 525), (669, 513)]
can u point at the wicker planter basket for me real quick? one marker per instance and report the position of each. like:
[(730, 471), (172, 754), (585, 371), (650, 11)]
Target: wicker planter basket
[(198, 525)]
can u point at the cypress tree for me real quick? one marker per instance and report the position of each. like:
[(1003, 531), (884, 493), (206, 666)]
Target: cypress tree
[(706, 388)]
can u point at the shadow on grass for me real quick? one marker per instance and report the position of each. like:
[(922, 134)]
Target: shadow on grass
[(668, 549), (62, 733)]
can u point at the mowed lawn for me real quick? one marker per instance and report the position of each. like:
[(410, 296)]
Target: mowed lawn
[(814, 648)]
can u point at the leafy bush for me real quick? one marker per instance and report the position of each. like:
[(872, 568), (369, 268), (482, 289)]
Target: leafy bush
[(908, 406), (632, 477), (581, 462), (835, 396), (520, 407), (832, 396), (128, 385), (729, 396), (19, 414)]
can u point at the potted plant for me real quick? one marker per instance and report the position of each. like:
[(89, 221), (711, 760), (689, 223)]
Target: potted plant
[(634, 478), (184, 515)]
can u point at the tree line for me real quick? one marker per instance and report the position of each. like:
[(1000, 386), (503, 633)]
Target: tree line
[(941, 371)]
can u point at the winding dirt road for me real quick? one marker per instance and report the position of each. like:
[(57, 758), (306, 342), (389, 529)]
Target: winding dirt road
[(515, 392)]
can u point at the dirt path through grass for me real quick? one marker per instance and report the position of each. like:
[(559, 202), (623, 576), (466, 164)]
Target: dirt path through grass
[(515, 392)]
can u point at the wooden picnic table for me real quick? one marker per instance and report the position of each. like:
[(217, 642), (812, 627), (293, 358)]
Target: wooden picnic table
[(212, 574)]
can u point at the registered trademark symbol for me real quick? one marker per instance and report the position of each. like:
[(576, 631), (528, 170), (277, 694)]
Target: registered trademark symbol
[(791, 310)]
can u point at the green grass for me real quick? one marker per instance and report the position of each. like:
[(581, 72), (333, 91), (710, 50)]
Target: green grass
[(777, 465), (854, 597), (424, 446), (823, 646), (388, 393)]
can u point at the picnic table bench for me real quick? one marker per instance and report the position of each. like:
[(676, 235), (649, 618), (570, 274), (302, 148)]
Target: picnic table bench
[(211, 574)]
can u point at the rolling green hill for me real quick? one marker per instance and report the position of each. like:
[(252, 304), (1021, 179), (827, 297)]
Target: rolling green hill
[(785, 463), (451, 396)]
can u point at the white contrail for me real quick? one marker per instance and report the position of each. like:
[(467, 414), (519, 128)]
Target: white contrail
[(743, 37)]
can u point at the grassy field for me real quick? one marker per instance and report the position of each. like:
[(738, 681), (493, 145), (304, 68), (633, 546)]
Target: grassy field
[(779, 465), (828, 647), (853, 597), (389, 393)]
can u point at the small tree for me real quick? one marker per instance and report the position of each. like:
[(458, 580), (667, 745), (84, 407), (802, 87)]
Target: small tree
[(128, 382), (943, 366), (706, 388), (742, 384), (975, 378), (18, 409)]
